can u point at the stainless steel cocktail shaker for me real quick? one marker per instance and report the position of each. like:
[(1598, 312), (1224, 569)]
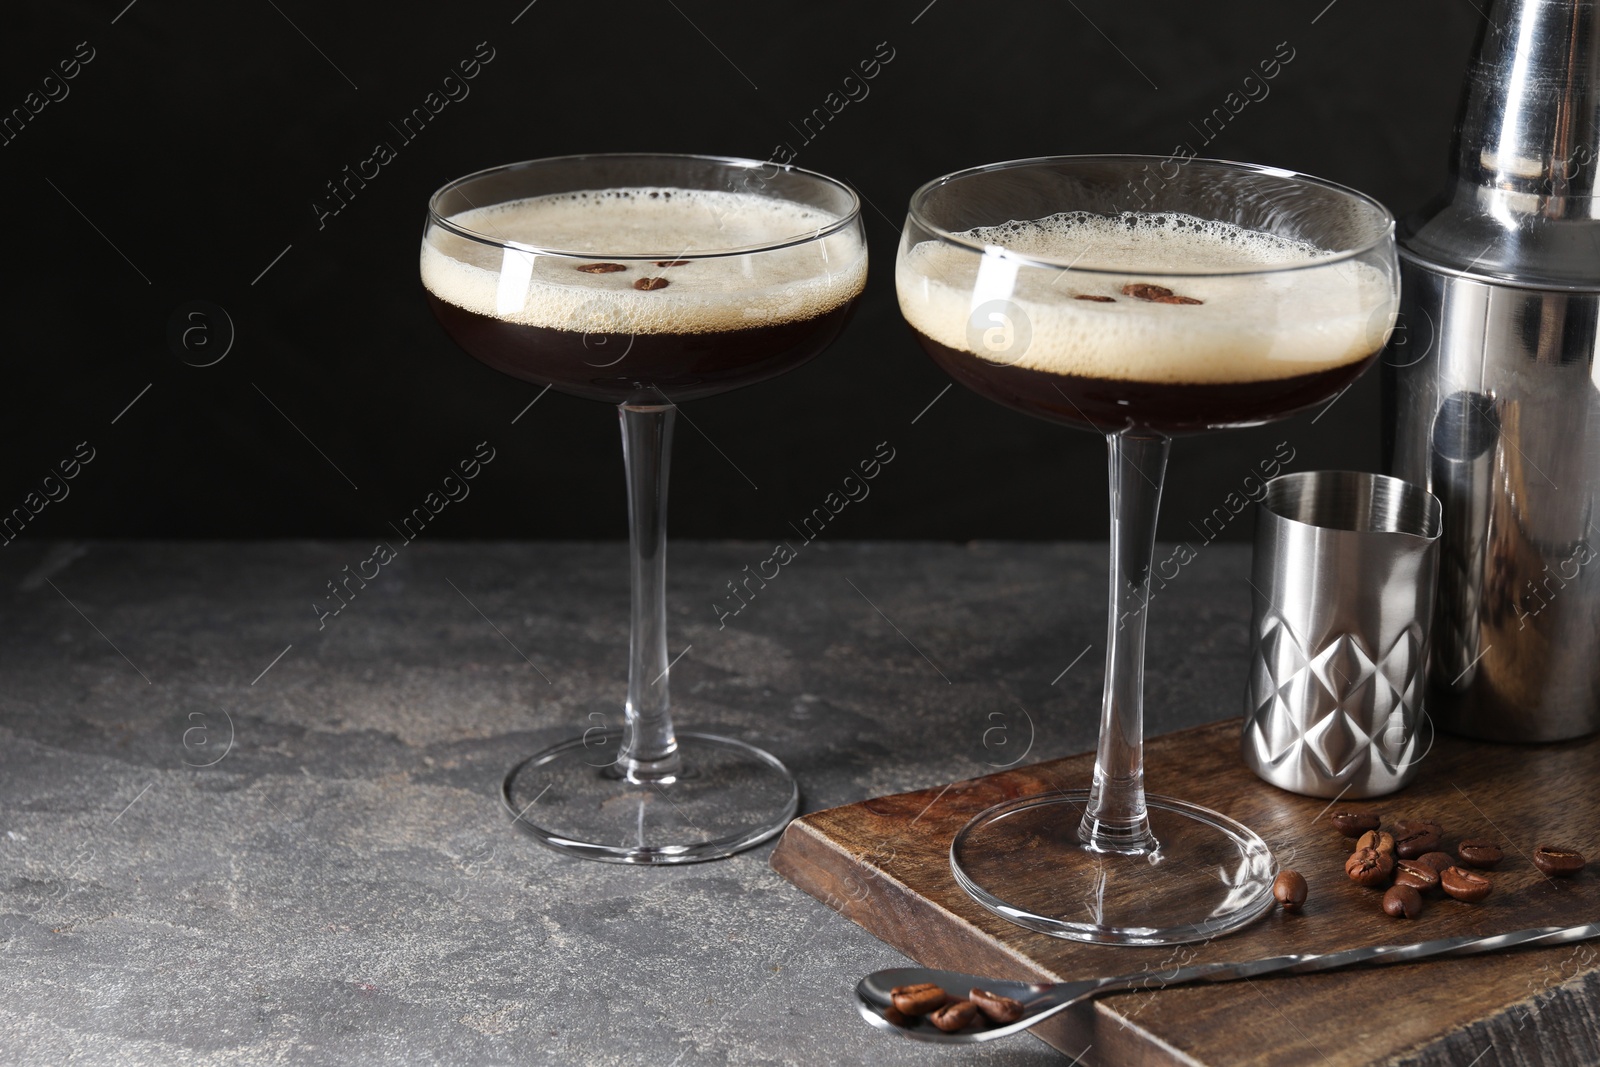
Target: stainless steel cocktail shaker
[(1493, 384)]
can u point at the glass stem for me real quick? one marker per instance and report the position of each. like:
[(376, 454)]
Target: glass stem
[(1115, 820), (649, 750)]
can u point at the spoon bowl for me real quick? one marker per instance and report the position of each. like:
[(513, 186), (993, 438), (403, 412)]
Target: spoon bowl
[(1040, 1000)]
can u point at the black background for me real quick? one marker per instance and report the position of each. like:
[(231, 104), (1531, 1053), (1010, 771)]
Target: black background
[(189, 152)]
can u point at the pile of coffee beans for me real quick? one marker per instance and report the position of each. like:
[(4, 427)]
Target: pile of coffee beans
[(948, 1013), (1408, 860)]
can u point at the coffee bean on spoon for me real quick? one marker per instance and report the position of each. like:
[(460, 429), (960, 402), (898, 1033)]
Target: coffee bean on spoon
[(1464, 885), (1558, 861), (1354, 823), (956, 1015), (918, 999), (1480, 852), (996, 1007)]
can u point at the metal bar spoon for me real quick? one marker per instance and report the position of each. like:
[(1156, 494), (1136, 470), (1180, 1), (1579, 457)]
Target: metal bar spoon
[(1040, 1000)]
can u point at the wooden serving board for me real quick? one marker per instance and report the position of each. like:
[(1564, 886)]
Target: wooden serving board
[(883, 863)]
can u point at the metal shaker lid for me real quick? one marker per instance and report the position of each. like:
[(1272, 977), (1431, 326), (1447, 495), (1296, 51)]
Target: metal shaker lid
[(1523, 206)]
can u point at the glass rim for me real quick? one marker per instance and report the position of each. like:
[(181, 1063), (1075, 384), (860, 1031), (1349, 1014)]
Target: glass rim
[(1295, 487), (846, 220), (1000, 251)]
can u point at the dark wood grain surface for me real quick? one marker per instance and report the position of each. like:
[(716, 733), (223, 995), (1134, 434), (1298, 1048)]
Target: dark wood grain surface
[(883, 864)]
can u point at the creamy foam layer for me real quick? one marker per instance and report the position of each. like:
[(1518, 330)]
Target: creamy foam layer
[(1248, 326), (701, 295)]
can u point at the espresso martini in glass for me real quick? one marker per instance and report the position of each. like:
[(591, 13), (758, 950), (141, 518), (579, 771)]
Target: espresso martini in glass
[(644, 281), (602, 323), (1217, 326), (1078, 290)]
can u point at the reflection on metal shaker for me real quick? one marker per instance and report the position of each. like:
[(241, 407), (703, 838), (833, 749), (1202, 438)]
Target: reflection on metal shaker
[(1464, 434), (1493, 383)]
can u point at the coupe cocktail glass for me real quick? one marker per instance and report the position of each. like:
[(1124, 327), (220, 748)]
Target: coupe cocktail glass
[(644, 281), (1139, 298)]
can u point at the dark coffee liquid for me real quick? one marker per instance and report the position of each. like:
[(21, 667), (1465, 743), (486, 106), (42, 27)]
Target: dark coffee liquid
[(1108, 405), (645, 368)]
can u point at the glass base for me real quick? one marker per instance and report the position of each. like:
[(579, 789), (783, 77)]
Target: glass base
[(573, 798), (1023, 860)]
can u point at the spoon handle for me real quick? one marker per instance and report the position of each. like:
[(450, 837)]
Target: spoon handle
[(1305, 963)]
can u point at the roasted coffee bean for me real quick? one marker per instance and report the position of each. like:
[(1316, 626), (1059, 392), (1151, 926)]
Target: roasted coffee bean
[(896, 1017), (1464, 884), (1096, 299), (1176, 299), (1437, 860), (1376, 839), (956, 1015), (1289, 888), (1354, 823), (1558, 861), (1480, 852), (1145, 291), (1416, 874), (1000, 1009), (650, 284), (1408, 825), (918, 999), (1368, 866), (599, 268), (1413, 847), (1402, 902), (1414, 839), (672, 262)]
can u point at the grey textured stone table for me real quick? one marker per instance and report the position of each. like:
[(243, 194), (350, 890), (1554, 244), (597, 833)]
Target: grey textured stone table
[(231, 836)]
